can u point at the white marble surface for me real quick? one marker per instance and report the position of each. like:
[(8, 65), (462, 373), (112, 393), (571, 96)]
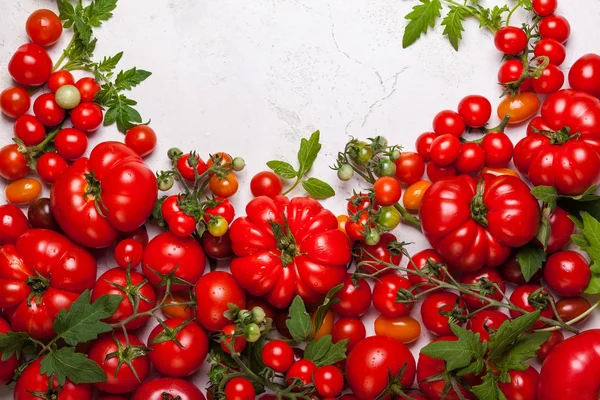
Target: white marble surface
[(253, 77)]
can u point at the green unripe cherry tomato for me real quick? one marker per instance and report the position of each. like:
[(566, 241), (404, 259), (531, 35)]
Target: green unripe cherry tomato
[(386, 167), (165, 183), (388, 218), (395, 155), (345, 173), (238, 164), (372, 237), (258, 314), (218, 226), (252, 333), (67, 97), (363, 153)]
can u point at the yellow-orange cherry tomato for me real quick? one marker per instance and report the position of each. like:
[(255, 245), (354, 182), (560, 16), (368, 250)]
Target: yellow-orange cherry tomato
[(342, 221), (500, 172), (521, 107), (405, 329), (184, 312), (23, 191), (325, 328), (414, 194), (225, 187)]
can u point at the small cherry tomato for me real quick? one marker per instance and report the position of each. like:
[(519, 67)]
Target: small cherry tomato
[(475, 110), (239, 388), (14, 101), (185, 168), (387, 191), (88, 87), (445, 149), (352, 329), (529, 298), (486, 321), (410, 167), (448, 122), (555, 27), (223, 187), (71, 143), (40, 215), (67, 97), (385, 296), (388, 219), (239, 341), (438, 303), (140, 235), (354, 300), (218, 248), (141, 139), (30, 65), (556, 337), (218, 226), (510, 71), (487, 282), (423, 144), (511, 40), (471, 159), (429, 262), (266, 183), (278, 355), (543, 8), (223, 208), (87, 117), (23, 191), (567, 273), (59, 79), (326, 326), (372, 258), (521, 107), (413, 195), (498, 149), (552, 49), (437, 173), (569, 308), (561, 229), (328, 381), (221, 159), (29, 130), (47, 111), (13, 164), (522, 386), (43, 27), (302, 370), (128, 253), (551, 80), (49, 167), (405, 329), (13, 223), (173, 307)]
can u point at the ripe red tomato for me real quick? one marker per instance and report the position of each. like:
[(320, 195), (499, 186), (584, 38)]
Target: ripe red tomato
[(555, 27), (487, 279), (265, 183), (217, 247), (140, 235), (13, 164), (475, 110), (166, 389), (122, 186), (359, 202), (471, 159), (561, 229), (386, 250), (556, 338), (29, 130), (135, 290), (511, 40), (186, 170), (71, 143), (385, 296), (437, 173), (498, 149), (43, 27), (239, 388), (47, 111), (118, 360), (278, 355), (523, 385), (543, 8), (14, 101), (8, 366), (423, 145), (128, 253), (180, 224), (430, 262), (584, 75), (141, 139), (567, 273), (445, 149), (510, 71), (239, 342), (448, 122), (87, 117), (485, 321), (552, 49), (387, 190), (511, 272), (30, 65), (569, 308), (59, 79), (354, 300), (217, 289), (179, 347), (13, 224), (410, 167), (49, 167), (434, 305), (32, 380), (222, 208), (46, 265), (551, 80), (529, 298), (329, 381), (88, 87), (352, 329), (302, 370), (371, 363)]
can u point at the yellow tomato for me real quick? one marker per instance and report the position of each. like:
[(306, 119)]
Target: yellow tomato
[(405, 329), (23, 191), (521, 107), (414, 195), (500, 172), (325, 328)]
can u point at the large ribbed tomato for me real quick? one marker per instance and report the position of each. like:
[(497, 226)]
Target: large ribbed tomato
[(475, 224), (113, 191), (288, 247)]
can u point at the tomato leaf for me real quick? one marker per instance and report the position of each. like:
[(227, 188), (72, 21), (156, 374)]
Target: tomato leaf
[(509, 333), (530, 257), (283, 169), (299, 323), (318, 189), (98, 11), (83, 321), (77, 367), (545, 230), (453, 25), (324, 352), (460, 353), (491, 18), (324, 308), (524, 349), (488, 389), (422, 17), (127, 80), (589, 241), (14, 343), (546, 194), (108, 64), (309, 149)]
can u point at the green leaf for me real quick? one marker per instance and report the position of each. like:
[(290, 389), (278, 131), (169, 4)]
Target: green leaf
[(457, 354), (545, 230), (522, 351), (422, 17), (324, 308), (83, 321), (591, 230), (546, 194), (309, 149), (299, 323), (318, 189), (593, 286), (77, 367), (491, 18), (126, 80), (324, 352), (283, 169), (579, 240), (453, 25), (109, 63), (13, 343), (509, 332), (66, 11), (588, 195), (121, 112), (530, 257), (99, 10), (488, 389)]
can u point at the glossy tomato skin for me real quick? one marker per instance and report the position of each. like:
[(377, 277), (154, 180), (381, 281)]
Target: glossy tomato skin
[(128, 190), (448, 122), (486, 277), (48, 260), (373, 360), (520, 107), (40, 215), (556, 338), (32, 380), (24, 191), (13, 224), (484, 320), (383, 251), (14, 101), (266, 183), (543, 8), (173, 388), (355, 300), (561, 229), (498, 149), (141, 139), (128, 253), (329, 381), (551, 80), (352, 329), (314, 265), (437, 173), (555, 27), (217, 247), (49, 167), (47, 111), (87, 117), (59, 79), (555, 52), (512, 215), (7, 368), (510, 40), (13, 164), (239, 388), (429, 260), (522, 386), (385, 294), (88, 87), (410, 167), (43, 27), (423, 145), (569, 308), (30, 65), (475, 110), (445, 149), (471, 160), (303, 370), (521, 298), (71, 143), (217, 289), (584, 75), (433, 320), (278, 355), (567, 273), (405, 329)]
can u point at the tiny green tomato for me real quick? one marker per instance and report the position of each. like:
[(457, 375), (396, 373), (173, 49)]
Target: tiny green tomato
[(385, 167), (345, 172), (372, 237), (67, 97), (252, 333), (174, 153), (238, 164), (258, 314), (388, 218), (165, 183)]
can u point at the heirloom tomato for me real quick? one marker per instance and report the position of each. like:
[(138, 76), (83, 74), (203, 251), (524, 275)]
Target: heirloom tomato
[(33, 381), (167, 389)]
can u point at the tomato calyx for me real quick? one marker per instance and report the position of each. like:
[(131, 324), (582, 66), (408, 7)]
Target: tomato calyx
[(484, 286), (169, 334), (558, 137), (540, 299), (126, 355), (169, 396), (39, 284), (451, 382), (286, 243), (394, 386), (478, 208), (50, 394), (456, 315), (93, 192), (167, 280), (133, 292)]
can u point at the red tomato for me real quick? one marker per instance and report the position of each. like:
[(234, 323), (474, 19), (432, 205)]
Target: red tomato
[(386, 250), (43, 27), (49, 167), (222, 208), (13, 164), (179, 347), (471, 160), (385, 296), (329, 381), (584, 75), (371, 363), (128, 253), (484, 282), (88, 87), (118, 360), (30, 65), (13, 223), (141, 139), (135, 290), (14, 101), (265, 183), (522, 386), (387, 190), (544, 8), (47, 111), (352, 329), (33, 380), (239, 341), (7, 367), (511, 272), (59, 79), (217, 290), (430, 262), (556, 338), (498, 149), (278, 355), (423, 145), (186, 170), (567, 273), (167, 253), (445, 149), (40, 215), (510, 71), (551, 80), (475, 110), (302, 370), (569, 308), (561, 229), (359, 202), (122, 186), (437, 173), (410, 166), (48, 266), (511, 40), (140, 235), (87, 117), (217, 247), (555, 27), (308, 261), (71, 143), (434, 305), (29, 130), (168, 388), (355, 300), (529, 298), (552, 49), (505, 215), (485, 321), (239, 388), (448, 122), (180, 224)]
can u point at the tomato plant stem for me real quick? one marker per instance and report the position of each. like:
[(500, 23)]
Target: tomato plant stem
[(63, 56)]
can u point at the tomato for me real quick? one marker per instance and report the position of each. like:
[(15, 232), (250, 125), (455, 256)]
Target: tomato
[(166, 389), (551, 80), (135, 290), (59, 79), (445, 149), (140, 235), (49, 167), (434, 305), (569, 308), (500, 172), (352, 329), (218, 248), (430, 262), (88, 87), (448, 122), (71, 143), (556, 338), (47, 111), (128, 253), (278, 355), (180, 224), (141, 139), (23, 191), (359, 202), (475, 110), (505, 215), (354, 300), (216, 290), (544, 8), (410, 167), (222, 208), (118, 357), (122, 186), (521, 107), (529, 298), (329, 381), (40, 215), (30, 65), (171, 310), (308, 261), (387, 191), (167, 253), (567, 273), (302, 370), (498, 149), (385, 296), (511, 272), (486, 282), (8, 366), (29, 130), (413, 195), (405, 329), (561, 229), (486, 321), (511, 40), (13, 164), (218, 226), (472, 158), (387, 250), (179, 347), (584, 75), (14, 101), (437, 173), (43, 27), (186, 170), (510, 72), (239, 388), (13, 224), (552, 49), (388, 219), (223, 187), (265, 183), (325, 328), (87, 117), (371, 363), (423, 145), (522, 386), (47, 266), (554, 27)]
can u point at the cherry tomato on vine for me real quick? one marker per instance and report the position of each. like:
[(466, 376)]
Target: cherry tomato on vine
[(87, 117), (71, 143), (223, 187), (128, 253), (23, 191), (405, 329), (180, 223), (43, 27), (88, 87), (217, 226), (486, 321), (355, 299), (430, 262), (222, 157), (13, 164), (373, 257), (551, 80), (47, 111), (59, 79), (569, 308), (358, 202), (385, 296), (266, 183), (511, 40), (328, 381), (387, 191), (410, 167), (278, 355), (471, 159), (218, 248), (490, 284), (423, 144), (14, 101), (521, 107), (438, 303), (475, 110), (498, 149), (556, 337), (30, 65), (29, 130), (352, 329), (13, 223), (413, 195), (448, 122), (555, 27), (544, 8), (552, 49), (567, 273), (141, 139), (388, 219), (530, 297), (224, 209), (239, 388), (445, 149), (172, 307), (186, 170), (437, 173), (302, 370), (522, 386), (510, 71)]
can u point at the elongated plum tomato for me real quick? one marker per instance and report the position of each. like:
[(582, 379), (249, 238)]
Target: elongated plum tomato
[(521, 107), (405, 329), (23, 191)]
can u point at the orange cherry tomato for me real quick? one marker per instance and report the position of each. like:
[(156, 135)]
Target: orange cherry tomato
[(405, 329), (184, 312), (23, 191), (224, 158), (500, 172), (521, 107), (342, 221), (326, 326), (414, 194), (225, 187)]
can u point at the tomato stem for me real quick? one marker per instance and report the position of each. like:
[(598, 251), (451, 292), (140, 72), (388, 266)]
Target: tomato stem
[(64, 53)]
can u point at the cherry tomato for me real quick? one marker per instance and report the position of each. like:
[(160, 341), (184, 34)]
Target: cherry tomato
[(543, 8), (141, 139), (215, 247), (302, 370), (423, 144), (186, 170), (278, 355), (47, 111), (410, 167), (522, 386), (498, 149), (438, 303), (584, 75), (218, 226), (239, 388), (29, 130), (217, 290), (529, 298), (569, 308), (13, 223), (510, 71), (225, 187), (511, 40), (329, 381), (13, 164), (67, 97), (355, 300), (59, 79), (413, 195), (486, 321), (325, 328), (385, 296), (14, 101), (70, 143), (475, 110), (405, 329), (448, 122), (387, 191), (49, 166), (556, 337), (88, 87), (40, 215), (30, 65), (471, 159), (500, 172), (521, 107), (43, 27), (87, 117), (445, 149), (352, 329), (222, 208), (221, 158), (551, 81), (511, 272), (358, 202), (23, 191), (555, 27), (567, 273), (484, 282), (437, 173), (430, 262), (385, 251), (128, 253), (265, 183), (172, 307), (561, 229), (140, 235), (552, 49)]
